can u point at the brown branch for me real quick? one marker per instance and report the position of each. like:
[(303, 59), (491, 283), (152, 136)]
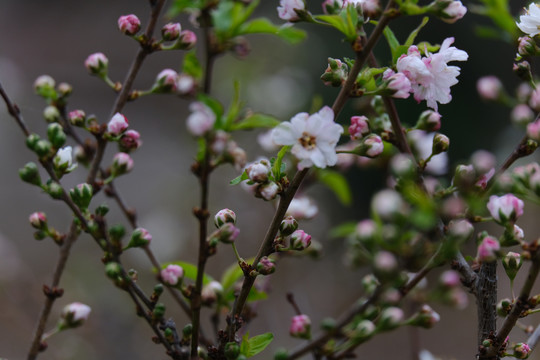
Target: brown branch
[(52, 290)]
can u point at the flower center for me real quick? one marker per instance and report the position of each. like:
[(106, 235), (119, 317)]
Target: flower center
[(307, 141)]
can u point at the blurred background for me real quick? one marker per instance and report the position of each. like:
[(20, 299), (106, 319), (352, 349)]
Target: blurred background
[(54, 37)]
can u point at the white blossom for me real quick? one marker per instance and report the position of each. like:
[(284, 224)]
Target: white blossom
[(530, 22)]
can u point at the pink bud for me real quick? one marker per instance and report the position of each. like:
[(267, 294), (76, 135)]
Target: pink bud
[(453, 12), (258, 171), (224, 216), (122, 163), (227, 233), (139, 238), (96, 63), (77, 117), (201, 120), (117, 125), (302, 208), (38, 220), (287, 7), (534, 100), (185, 84), (373, 146), (398, 83), (268, 191), (166, 80), (521, 114), (288, 226), (366, 229), (450, 278), (187, 40), (172, 274), (171, 31), (129, 141), (533, 130), (426, 317), (74, 314), (385, 262), (522, 351), (359, 127), (488, 248), (210, 292), (429, 120), (300, 327), (129, 24), (506, 208), (266, 266), (300, 240)]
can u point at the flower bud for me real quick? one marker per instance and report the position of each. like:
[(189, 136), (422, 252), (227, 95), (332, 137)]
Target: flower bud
[(171, 31), (453, 11), (139, 238), (288, 226), (388, 204), (74, 315), (267, 191), (533, 130), (489, 88), (522, 351), (129, 141), (359, 127), (201, 120), (300, 327), (165, 81), (31, 141), (488, 249), (187, 40), (390, 318), (210, 292), (523, 70), (227, 233), (364, 330), (258, 171), (64, 89), (505, 209), (302, 208), (122, 163), (43, 148), (440, 144), (385, 264), (51, 114), (371, 146), (403, 166), (512, 263), (300, 240), (159, 311), (522, 115), (38, 220), (77, 117), (82, 195), (56, 135), (186, 84), (370, 283), (450, 279), (172, 275), (336, 73), (63, 161), (266, 266), (429, 120), (504, 307), (527, 46), (425, 318), (129, 24), (30, 174), (44, 86), (460, 229), (117, 125), (464, 177), (97, 64), (224, 216)]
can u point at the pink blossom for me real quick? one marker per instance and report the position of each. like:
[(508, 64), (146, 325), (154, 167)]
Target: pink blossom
[(313, 138), (431, 77), (506, 208), (385, 261), (117, 125), (129, 24), (487, 250), (287, 7), (201, 120), (489, 87), (300, 326), (359, 127), (172, 274), (521, 114), (398, 83), (187, 40), (302, 208)]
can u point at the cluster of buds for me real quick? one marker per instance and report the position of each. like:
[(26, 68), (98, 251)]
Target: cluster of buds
[(288, 231), (336, 73), (128, 140), (38, 220), (259, 175), (371, 145), (169, 81), (227, 150), (300, 327), (45, 86), (226, 232), (488, 249)]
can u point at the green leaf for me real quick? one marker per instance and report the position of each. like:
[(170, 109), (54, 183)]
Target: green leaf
[(192, 66), (414, 33), (237, 180), (276, 166), (343, 230), (212, 103), (337, 22), (178, 6), (336, 182), (190, 271), (265, 26), (255, 121), (392, 42), (251, 347)]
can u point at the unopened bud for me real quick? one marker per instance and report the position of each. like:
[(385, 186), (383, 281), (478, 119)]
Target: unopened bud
[(51, 114), (390, 318), (425, 318), (74, 315), (224, 216), (440, 144), (44, 86), (30, 174), (504, 307), (82, 195), (300, 327), (77, 117), (171, 31), (300, 240), (38, 220), (266, 266), (522, 351), (429, 120), (139, 238), (187, 40), (172, 275), (288, 226), (129, 24), (512, 263), (122, 163), (359, 127), (56, 135), (97, 64)]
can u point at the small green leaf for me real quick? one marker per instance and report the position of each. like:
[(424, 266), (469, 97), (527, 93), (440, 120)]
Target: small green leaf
[(343, 230), (256, 344), (276, 166), (178, 6), (414, 33), (255, 121), (291, 34), (336, 182), (192, 66), (265, 26), (212, 103), (232, 274), (237, 180)]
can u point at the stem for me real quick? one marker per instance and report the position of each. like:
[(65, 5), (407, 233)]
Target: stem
[(486, 300), (49, 299)]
